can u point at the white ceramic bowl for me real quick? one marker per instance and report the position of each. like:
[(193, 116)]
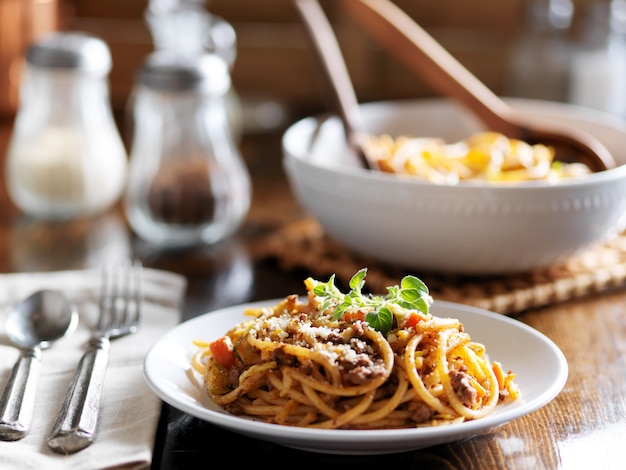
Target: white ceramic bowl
[(476, 229)]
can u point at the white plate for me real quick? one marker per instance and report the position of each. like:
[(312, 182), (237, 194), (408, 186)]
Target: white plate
[(540, 366)]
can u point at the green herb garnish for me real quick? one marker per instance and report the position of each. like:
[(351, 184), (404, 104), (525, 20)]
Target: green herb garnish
[(412, 294)]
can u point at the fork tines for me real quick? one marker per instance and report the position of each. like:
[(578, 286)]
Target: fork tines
[(121, 298)]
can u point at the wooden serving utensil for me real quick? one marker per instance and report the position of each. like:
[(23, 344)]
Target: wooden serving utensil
[(337, 76), (412, 45)]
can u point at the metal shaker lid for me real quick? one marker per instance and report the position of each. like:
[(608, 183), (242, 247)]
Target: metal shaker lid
[(71, 51), (165, 71)]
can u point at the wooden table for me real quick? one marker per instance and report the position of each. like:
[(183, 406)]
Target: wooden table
[(584, 427)]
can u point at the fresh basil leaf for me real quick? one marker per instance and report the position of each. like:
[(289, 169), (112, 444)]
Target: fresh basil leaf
[(381, 320), (412, 294), (357, 281)]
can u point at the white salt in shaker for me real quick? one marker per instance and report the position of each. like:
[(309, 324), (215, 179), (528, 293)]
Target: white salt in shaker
[(188, 183), (65, 158)]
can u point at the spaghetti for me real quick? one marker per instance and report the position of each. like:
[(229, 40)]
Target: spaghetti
[(485, 156), (353, 361)]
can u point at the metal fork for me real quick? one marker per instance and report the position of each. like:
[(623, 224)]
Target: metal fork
[(120, 307)]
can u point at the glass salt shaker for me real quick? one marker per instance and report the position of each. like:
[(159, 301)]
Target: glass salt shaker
[(188, 183), (65, 158)]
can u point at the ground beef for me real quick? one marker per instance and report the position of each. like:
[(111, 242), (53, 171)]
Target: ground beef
[(362, 370), (233, 376), (234, 408), (334, 337), (461, 384), (358, 345), (422, 413), (358, 329), (282, 358)]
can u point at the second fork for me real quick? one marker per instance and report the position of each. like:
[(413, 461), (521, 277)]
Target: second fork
[(119, 315)]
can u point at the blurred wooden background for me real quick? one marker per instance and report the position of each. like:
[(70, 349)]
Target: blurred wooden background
[(274, 61), (273, 57)]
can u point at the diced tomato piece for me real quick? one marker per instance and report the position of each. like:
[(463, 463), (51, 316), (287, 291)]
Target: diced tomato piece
[(354, 315), (222, 351), (413, 320)]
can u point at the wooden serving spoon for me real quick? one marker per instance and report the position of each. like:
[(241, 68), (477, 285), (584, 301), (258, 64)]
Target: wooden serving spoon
[(337, 77), (413, 46)]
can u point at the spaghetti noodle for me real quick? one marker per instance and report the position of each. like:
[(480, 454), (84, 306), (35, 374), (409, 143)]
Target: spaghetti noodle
[(353, 361), (485, 156)]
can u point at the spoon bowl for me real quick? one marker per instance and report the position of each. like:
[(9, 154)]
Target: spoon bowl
[(32, 325), (40, 319)]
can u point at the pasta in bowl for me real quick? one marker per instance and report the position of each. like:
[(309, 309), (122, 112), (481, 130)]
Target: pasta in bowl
[(481, 157), (353, 361)]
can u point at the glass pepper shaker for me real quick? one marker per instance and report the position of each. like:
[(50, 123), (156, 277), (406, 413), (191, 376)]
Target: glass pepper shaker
[(65, 158), (188, 183), (187, 28)]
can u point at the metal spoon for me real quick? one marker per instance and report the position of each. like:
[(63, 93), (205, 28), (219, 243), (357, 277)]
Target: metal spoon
[(33, 325), (404, 38)]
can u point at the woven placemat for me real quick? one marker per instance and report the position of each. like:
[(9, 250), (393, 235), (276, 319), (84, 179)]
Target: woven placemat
[(303, 245)]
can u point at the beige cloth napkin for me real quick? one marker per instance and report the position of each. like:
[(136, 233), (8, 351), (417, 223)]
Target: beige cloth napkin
[(129, 410)]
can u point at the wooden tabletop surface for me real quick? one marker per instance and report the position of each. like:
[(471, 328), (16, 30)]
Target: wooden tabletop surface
[(583, 427)]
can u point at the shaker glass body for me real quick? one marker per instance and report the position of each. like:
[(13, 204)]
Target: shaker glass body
[(188, 183), (65, 158)]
